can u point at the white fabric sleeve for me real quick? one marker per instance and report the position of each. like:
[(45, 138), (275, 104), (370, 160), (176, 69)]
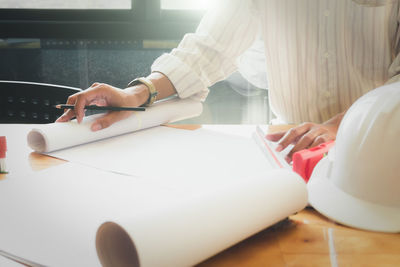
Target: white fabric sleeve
[(394, 69), (209, 55)]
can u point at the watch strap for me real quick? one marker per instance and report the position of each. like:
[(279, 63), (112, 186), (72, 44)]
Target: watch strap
[(150, 86)]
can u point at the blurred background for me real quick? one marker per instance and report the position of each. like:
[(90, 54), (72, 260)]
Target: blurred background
[(79, 42)]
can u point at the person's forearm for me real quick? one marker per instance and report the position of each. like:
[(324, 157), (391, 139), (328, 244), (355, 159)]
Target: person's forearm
[(139, 93), (335, 120), (163, 85)]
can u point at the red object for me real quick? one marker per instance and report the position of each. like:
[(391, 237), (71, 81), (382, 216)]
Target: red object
[(3, 146), (305, 160)]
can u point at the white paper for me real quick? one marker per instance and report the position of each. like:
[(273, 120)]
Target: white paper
[(180, 196), (269, 149), (192, 230), (55, 136), (51, 217), (174, 157), (6, 261)]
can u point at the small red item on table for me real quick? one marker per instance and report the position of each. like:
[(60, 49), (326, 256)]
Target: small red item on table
[(305, 160), (3, 149)]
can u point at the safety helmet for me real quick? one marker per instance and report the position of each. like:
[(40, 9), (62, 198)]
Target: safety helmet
[(358, 183)]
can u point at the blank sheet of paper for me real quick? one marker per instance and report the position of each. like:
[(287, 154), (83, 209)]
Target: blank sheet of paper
[(174, 157)]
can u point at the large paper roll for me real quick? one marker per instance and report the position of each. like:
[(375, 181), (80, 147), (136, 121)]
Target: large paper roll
[(55, 136)]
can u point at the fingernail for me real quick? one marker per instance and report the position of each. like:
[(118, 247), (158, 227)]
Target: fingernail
[(96, 127), (279, 148), (60, 119)]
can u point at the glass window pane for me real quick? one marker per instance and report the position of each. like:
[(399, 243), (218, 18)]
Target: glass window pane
[(63, 4), (186, 4)]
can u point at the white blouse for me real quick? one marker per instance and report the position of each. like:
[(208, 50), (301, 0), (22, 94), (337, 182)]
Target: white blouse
[(321, 55)]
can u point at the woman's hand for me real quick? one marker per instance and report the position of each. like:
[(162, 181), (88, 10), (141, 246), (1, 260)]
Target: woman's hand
[(306, 135), (104, 95)]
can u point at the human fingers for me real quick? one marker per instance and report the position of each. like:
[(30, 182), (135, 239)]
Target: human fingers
[(322, 139), (67, 116), (108, 119), (304, 142), (68, 113), (293, 134), (274, 137), (96, 92), (94, 84)]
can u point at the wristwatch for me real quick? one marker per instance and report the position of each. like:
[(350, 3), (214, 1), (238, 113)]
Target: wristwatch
[(150, 86)]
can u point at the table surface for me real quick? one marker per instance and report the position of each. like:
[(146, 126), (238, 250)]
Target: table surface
[(304, 239)]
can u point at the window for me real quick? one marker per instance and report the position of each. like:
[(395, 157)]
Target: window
[(61, 4), (74, 41), (116, 19), (186, 4)]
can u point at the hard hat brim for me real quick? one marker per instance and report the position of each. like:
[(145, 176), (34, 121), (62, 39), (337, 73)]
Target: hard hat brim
[(334, 203)]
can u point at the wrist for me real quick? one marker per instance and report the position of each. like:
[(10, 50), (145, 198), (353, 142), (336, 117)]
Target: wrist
[(137, 95), (164, 86), (335, 120), (151, 89)]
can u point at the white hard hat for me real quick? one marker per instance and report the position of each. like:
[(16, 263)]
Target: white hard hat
[(358, 184)]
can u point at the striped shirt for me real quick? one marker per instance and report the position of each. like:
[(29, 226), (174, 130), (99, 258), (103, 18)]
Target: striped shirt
[(321, 55)]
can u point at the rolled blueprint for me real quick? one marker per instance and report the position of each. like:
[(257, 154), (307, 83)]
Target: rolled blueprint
[(54, 136)]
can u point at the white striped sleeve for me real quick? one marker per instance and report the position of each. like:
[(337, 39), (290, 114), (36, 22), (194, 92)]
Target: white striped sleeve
[(394, 69), (209, 55)]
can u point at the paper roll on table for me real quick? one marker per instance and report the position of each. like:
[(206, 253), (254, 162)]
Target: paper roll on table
[(55, 136)]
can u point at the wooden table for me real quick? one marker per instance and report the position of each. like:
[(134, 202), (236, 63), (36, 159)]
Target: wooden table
[(305, 239)]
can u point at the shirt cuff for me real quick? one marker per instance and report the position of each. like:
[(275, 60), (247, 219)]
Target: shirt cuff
[(186, 82)]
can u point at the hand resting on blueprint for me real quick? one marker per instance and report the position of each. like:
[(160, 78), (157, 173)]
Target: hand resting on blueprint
[(102, 94), (306, 135)]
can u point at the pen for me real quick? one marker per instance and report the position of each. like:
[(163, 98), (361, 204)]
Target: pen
[(94, 107)]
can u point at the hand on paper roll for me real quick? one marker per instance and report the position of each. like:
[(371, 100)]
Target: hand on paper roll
[(104, 95)]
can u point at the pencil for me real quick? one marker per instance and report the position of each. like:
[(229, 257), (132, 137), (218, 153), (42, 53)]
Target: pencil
[(94, 107)]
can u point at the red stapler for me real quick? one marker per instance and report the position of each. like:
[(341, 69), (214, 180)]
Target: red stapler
[(305, 160)]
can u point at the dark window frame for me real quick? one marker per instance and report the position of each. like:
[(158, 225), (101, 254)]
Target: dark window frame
[(146, 20)]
